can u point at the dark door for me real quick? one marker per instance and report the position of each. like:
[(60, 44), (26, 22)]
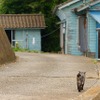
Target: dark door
[(64, 43), (83, 33), (8, 32), (98, 44)]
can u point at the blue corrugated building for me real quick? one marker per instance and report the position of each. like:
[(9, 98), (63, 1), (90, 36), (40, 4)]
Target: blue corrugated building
[(23, 30), (79, 27)]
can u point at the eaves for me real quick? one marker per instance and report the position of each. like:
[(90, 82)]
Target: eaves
[(65, 4), (88, 5)]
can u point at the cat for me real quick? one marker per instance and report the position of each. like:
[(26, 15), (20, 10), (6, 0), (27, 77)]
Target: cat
[(80, 80)]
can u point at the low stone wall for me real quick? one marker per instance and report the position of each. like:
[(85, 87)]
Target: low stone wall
[(6, 52)]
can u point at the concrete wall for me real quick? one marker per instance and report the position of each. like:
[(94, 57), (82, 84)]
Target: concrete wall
[(6, 52)]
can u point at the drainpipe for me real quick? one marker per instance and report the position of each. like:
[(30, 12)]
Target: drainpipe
[(88, 37), (97, 45), (61, 39), (78, 33), (66, 36), (26, 40), (62, 34), (65, 20), (12, 38)]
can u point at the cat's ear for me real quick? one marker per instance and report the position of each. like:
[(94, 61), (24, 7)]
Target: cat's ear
[(79, 72)]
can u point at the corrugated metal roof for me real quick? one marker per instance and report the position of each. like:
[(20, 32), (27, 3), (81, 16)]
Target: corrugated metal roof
[(22, 21)]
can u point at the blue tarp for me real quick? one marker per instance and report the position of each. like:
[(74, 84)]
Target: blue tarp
[(95, 15), (98, 25)]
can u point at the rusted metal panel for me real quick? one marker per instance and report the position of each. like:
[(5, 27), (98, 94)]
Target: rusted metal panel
[(83, 34)]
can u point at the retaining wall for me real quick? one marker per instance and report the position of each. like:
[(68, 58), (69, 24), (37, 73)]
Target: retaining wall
[(6, 52)]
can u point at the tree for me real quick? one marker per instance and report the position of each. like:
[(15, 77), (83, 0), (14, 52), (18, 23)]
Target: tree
[(15, 6)]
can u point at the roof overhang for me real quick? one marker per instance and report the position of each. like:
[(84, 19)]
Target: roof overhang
[(68, 4), (88, 5), (25, 28), (63, 5), (22, 21)]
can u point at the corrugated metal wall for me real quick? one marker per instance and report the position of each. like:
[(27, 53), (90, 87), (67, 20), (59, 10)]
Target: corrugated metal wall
[(6, 52), (92, 34), (72, 30), (28, 39)]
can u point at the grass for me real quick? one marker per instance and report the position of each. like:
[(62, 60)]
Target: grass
[(24, 50)]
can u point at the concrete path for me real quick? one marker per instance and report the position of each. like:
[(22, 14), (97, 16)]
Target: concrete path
[(38, 76)]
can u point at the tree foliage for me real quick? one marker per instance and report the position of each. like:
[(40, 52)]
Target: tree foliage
[(49, 43)]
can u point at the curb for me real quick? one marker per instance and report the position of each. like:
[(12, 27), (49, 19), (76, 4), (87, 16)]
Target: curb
[(97, 97), (91, 94)]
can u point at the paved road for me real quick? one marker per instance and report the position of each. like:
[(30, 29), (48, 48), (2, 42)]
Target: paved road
[(38, 76)]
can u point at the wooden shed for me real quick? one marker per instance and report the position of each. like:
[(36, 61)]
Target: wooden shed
[(79, 27), (23, 29)]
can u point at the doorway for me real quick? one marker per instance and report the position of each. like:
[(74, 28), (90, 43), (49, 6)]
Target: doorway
[(11, 36), (64, 43), (83, 34), (98, 44), (8, 32)]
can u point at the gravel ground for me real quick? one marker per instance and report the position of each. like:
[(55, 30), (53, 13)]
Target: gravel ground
[(36, 76)]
